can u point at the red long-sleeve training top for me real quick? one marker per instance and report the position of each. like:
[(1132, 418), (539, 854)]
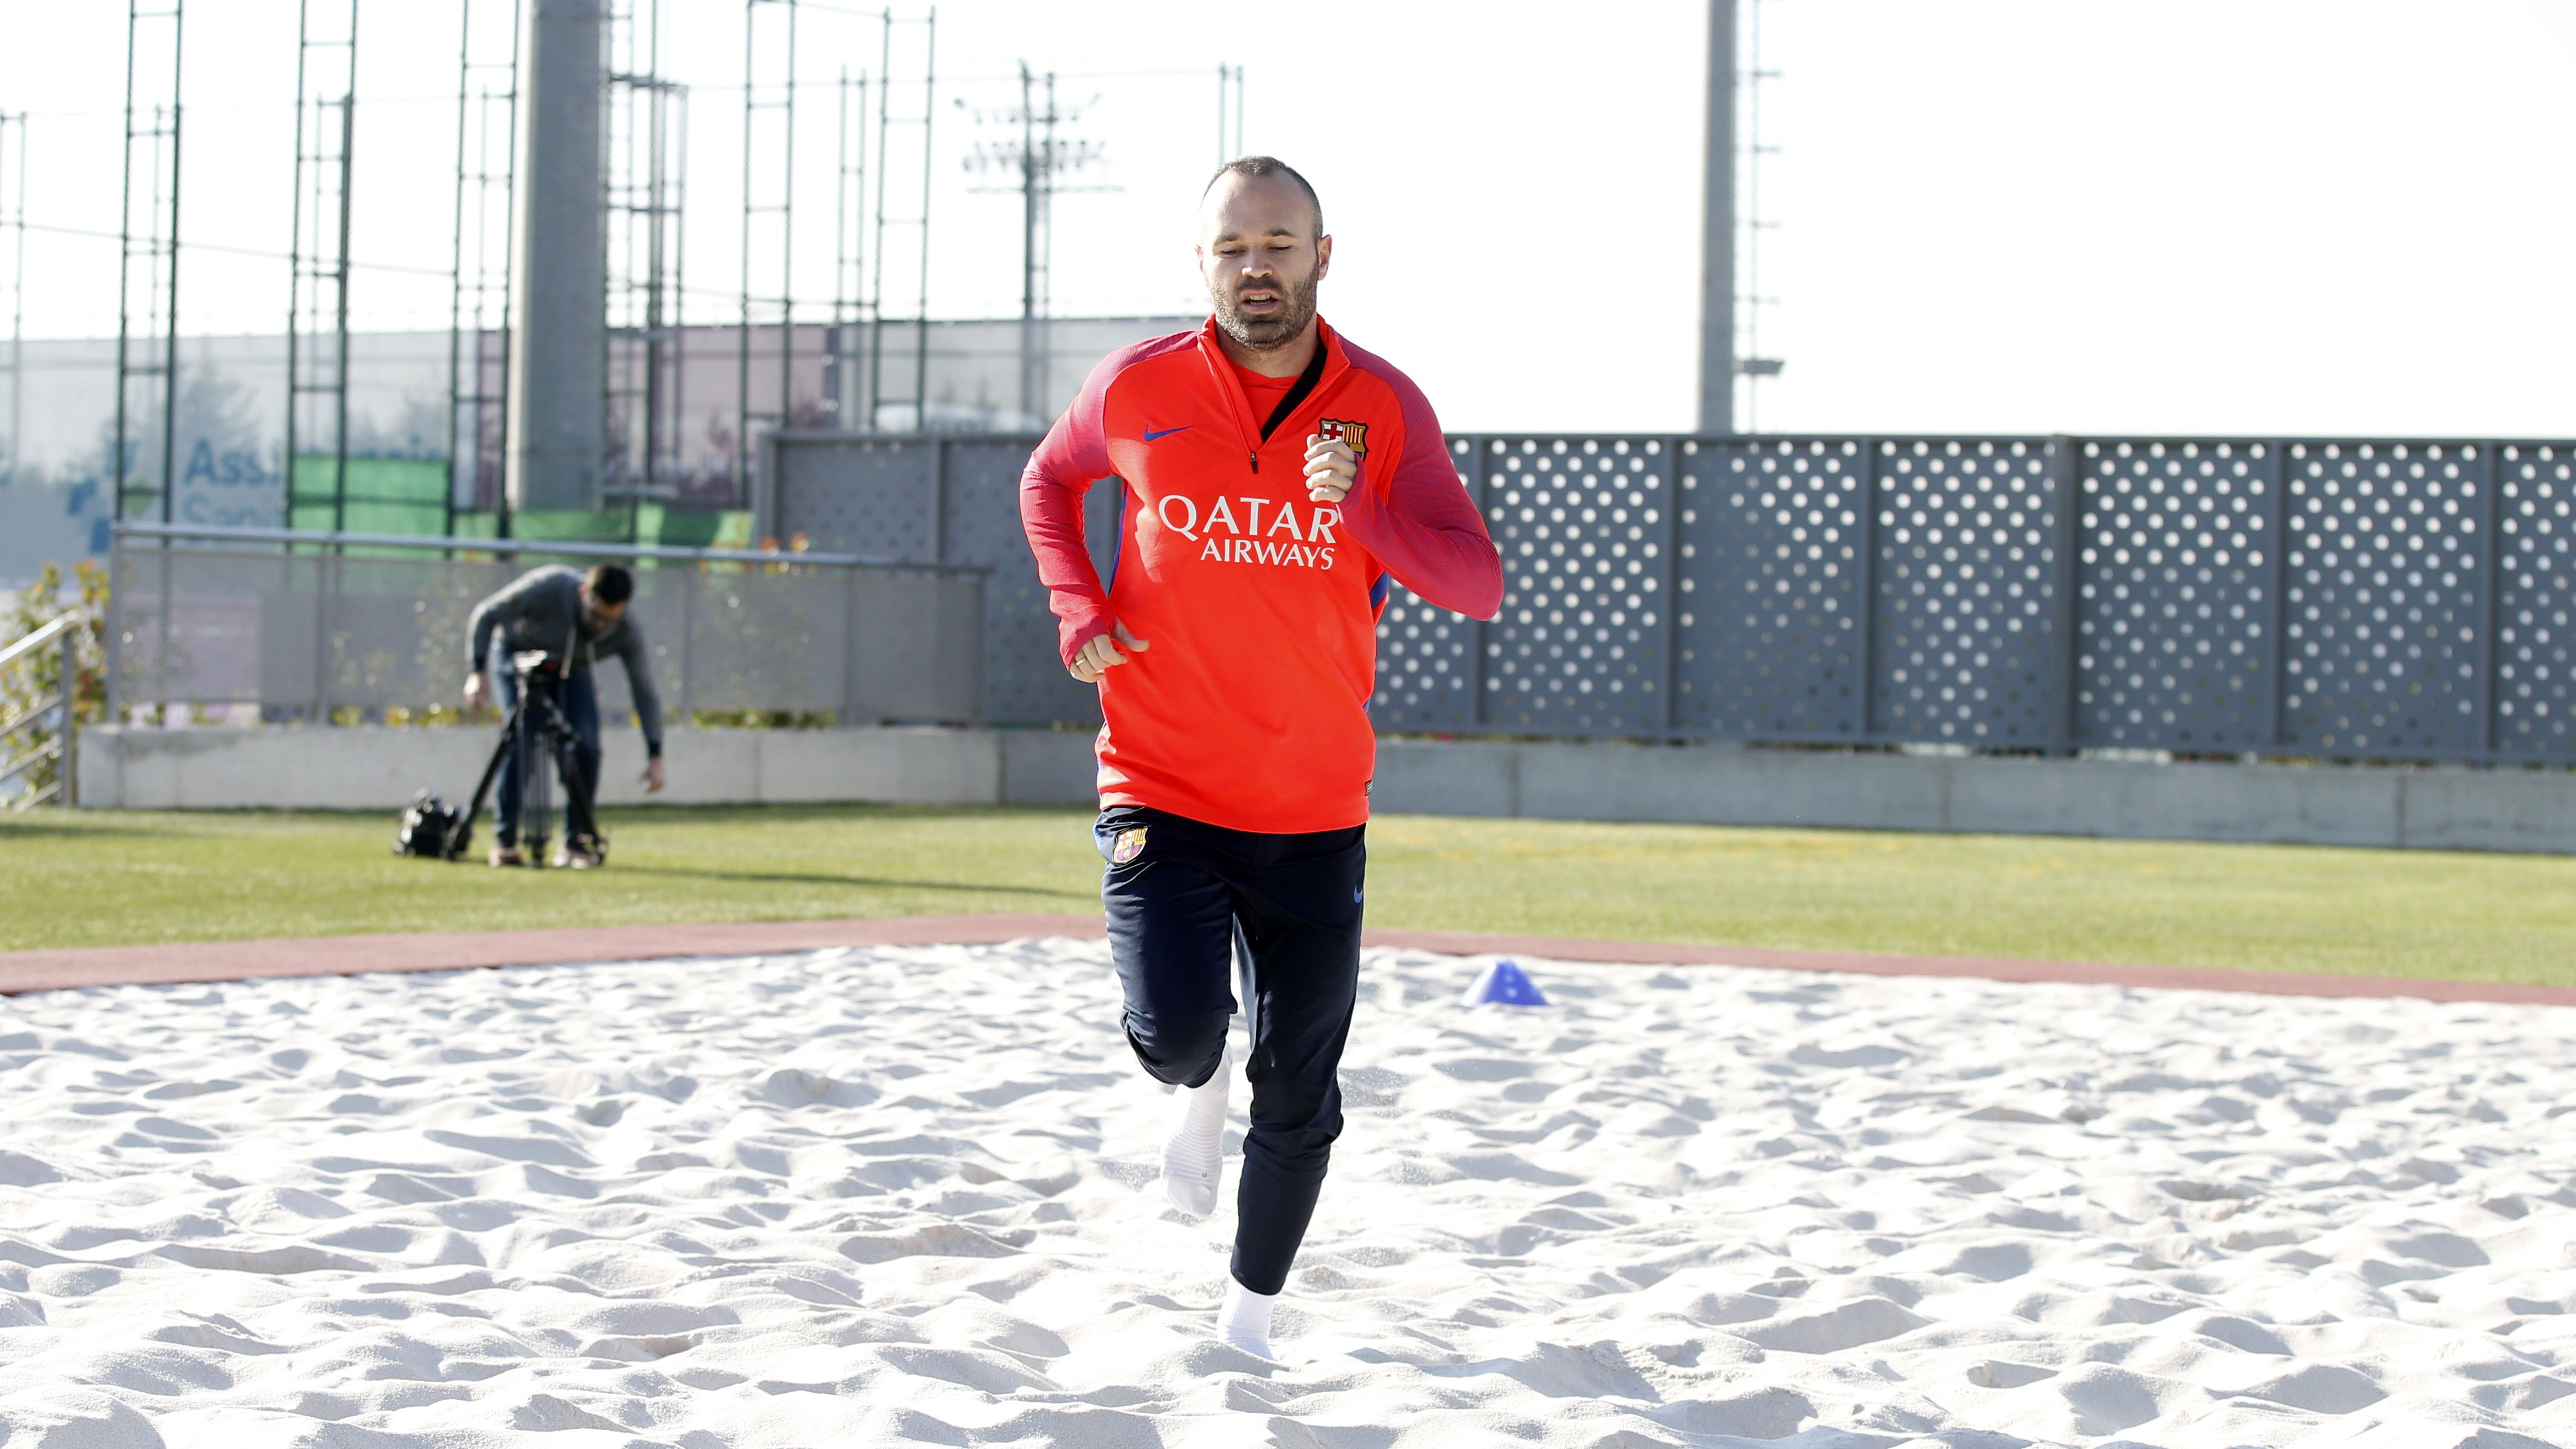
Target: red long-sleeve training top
[(1249, 710)]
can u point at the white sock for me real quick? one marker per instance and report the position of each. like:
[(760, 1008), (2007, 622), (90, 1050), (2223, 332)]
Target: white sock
[(1244, 1321), (1194, 1143)]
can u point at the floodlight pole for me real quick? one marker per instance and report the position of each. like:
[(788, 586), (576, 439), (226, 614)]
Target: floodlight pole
[(1717, 239), (559, 263)]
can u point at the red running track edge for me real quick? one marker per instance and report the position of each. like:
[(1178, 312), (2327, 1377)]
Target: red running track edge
[(202, 961)]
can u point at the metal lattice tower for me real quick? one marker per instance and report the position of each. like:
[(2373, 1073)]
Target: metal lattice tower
[(478, 316), (645, 133), (768, 105), (317, 324), (910, 309), (843, 356), (147, 357), (13, 225)]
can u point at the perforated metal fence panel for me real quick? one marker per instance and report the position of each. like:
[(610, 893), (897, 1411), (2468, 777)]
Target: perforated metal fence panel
[(1773, 582), (1583, 643), (1024, 678), (2389, 553), (877, 498), (2535, 656), (2347, 598), (2180, 604), (1427, 658), (1966, 554)]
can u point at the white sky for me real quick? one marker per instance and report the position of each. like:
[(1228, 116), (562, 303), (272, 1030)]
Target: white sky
[(2228, 216)]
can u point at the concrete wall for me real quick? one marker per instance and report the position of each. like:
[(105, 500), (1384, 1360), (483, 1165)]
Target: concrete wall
[(377, 768), (2448, 808), (2442, 808)]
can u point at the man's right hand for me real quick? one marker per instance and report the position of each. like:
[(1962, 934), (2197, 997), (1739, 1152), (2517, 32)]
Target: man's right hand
[(1099, 653), (474, 690)]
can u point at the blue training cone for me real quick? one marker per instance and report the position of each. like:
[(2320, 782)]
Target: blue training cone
[(1504, 984)]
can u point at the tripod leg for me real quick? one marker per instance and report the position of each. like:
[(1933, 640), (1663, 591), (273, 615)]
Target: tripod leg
[(536, 809), (581, 807), (544, 764), (559, 746), (491, 771)]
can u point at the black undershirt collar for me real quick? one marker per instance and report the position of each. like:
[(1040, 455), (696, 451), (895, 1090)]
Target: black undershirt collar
[(1297, 395)]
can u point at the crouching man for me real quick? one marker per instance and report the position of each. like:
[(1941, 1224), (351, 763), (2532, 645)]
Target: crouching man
[(576, 618)]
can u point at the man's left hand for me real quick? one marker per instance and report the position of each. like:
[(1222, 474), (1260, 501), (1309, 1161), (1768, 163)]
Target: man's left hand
[(653, 777), (1331, 468)]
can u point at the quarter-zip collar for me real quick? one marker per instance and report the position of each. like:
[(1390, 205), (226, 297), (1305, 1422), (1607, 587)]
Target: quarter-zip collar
[(1328, 347)]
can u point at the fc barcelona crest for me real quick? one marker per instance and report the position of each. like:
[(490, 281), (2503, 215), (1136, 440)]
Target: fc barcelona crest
[(1131, 844), (1355, 434)]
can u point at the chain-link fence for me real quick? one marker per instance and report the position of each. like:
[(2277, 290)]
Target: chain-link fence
[(308, 627)]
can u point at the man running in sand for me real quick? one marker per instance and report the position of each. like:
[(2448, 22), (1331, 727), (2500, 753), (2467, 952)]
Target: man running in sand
[(1275, 479)]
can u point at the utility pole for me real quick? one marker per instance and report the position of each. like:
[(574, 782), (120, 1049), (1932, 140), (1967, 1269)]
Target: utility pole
[(1753, 367), (1032, 179), (1039, 158), (1030, 169), (1717, 237), (1229, 98)]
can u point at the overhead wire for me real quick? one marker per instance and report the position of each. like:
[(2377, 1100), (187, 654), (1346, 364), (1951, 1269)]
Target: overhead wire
[(199, 246)]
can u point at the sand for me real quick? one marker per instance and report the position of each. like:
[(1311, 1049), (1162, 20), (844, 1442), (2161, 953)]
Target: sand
[(904, 1196)]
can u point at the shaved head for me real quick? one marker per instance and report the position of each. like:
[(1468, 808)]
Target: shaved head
[(1250, 167)]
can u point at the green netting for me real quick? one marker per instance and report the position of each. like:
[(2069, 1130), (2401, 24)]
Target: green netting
[(417, 481), (409, 496), (382, 495), (669, 527), (570, 525)]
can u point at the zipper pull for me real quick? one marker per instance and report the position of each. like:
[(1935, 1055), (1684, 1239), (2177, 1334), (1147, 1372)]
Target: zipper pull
[(1256, 460)]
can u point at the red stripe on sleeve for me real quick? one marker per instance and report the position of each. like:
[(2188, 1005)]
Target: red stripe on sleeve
[(1419, 521), (1073, 456)]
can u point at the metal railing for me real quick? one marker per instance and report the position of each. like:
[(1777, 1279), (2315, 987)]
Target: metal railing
[(58, 745), (313, 627), (510, 548)]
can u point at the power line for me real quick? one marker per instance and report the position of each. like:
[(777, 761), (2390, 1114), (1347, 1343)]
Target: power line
[(198, 107), (439, 272)]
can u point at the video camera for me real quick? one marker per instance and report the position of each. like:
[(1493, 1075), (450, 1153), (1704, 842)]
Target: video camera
[(431, 828), (537, 664)]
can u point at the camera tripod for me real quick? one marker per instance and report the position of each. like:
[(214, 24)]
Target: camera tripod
[(538, 719)]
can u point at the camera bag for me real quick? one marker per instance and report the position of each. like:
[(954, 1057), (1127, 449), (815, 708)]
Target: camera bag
[(431, 828)]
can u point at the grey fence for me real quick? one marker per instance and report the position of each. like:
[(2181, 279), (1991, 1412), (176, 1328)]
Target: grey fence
[(2340, 598), (308, 626), (951, 500)]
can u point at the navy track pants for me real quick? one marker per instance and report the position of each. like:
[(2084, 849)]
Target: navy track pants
[(1179, 909)]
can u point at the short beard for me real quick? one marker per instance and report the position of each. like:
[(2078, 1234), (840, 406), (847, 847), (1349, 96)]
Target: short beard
[(1262, 334)]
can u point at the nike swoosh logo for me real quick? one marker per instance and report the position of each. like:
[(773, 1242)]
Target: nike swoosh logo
[(1151, 435)]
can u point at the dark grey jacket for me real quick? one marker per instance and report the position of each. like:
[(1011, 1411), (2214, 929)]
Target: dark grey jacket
[(542, 610)]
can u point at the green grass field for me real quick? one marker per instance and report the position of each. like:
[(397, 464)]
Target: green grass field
[(113, 878)]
